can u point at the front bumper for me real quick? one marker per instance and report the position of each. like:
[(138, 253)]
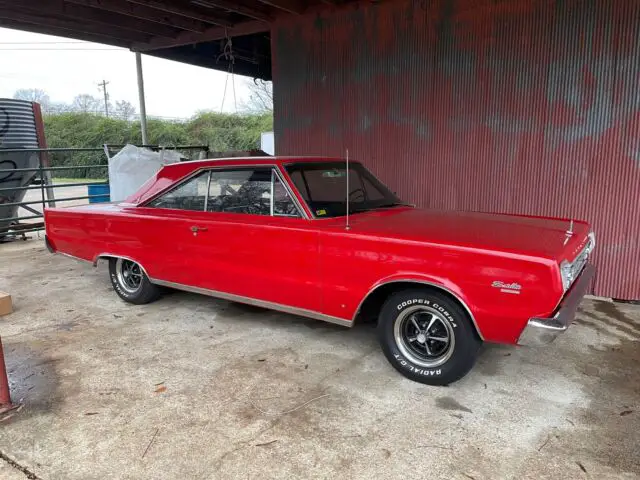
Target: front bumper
[(542, 331)]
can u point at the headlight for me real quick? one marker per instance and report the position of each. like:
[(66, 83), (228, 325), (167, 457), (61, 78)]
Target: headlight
[(566, 272)]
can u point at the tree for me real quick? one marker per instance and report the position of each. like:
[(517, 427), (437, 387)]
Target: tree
[(58, 107), (33, 95), (85, 103), (260, 96), (223, 132), (124, 110)]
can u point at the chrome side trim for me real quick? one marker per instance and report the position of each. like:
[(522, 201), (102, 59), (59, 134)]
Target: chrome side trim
[(255, 302), (113, 255), (273, 188), (423, 282), (206, 196)]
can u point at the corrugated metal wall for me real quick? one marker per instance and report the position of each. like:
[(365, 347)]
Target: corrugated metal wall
[(496, 105)]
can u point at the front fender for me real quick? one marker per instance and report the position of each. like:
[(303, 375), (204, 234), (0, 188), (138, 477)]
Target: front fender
[(439, 283)]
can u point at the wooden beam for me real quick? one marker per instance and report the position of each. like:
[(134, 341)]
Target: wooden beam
[(240, 68), (292, 6), (144, 13), (210, 35), (60, 9), (185, 11), (236, 7), (47, 20), (61, 32)]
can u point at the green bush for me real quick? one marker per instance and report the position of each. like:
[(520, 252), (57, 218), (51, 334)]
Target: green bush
[(221, 132)]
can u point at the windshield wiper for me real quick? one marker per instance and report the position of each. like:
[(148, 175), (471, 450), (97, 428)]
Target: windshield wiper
[(393, 204), (376, 207), (359, 210)]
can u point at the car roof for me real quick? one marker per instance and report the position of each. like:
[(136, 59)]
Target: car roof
[(173, 173), (243, 161)]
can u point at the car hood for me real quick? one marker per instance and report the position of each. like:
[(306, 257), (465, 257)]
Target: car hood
[(522, 235)]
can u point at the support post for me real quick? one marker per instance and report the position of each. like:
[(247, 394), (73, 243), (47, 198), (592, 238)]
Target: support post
[(143, 108), (44, 157)]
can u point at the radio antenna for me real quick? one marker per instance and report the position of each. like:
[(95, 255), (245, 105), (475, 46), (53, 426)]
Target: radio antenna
[(347, 227)]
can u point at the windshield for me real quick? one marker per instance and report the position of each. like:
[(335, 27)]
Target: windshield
[(323, 185)]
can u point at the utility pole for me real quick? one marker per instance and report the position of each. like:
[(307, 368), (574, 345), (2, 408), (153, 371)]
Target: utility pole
[(143, 108), (103, 85)]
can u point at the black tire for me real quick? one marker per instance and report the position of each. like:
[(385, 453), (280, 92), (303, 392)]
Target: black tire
[(133, 287), (407, 333)]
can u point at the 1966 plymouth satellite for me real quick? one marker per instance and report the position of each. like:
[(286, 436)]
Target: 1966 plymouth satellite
[(274, 232)]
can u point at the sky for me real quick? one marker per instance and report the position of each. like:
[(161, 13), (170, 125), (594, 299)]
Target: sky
[(64, 68)]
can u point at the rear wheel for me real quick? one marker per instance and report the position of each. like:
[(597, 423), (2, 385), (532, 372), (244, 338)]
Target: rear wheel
[(427, 336), (131, 282)]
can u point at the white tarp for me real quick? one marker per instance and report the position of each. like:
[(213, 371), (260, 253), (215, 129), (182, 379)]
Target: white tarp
[(268, 143), (132, 166)]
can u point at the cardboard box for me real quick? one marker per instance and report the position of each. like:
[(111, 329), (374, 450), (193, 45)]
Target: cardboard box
[(6, 306)]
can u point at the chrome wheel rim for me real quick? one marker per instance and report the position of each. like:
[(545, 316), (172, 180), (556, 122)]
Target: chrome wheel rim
[(424, 336), (129, 275)]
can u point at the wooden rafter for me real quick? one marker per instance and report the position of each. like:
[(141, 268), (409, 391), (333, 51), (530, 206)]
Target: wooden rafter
[(182, 9), (237, 7), (142, 12), (212, 34), (291, 6), (63, 32), (80, 13), (47, 20)]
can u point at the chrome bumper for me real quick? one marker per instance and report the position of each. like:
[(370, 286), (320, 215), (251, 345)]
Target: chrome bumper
[(542, 331)]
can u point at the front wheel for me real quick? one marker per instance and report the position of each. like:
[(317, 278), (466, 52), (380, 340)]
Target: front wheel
[(427, 336), (131, 282)]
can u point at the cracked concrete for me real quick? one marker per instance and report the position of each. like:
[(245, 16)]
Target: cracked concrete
[(226, 387)]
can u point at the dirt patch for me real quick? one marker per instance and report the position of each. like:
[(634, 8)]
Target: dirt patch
[(602, 326), (610, 309), (33, 379), (448, 403)]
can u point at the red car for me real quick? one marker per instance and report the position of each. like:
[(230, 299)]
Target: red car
[(274, 232)]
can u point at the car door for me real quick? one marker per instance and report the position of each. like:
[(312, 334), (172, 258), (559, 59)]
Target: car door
[(249, 239), (158, 234)]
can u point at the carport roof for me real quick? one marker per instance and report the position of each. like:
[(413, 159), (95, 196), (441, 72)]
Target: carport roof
[(189, 31)]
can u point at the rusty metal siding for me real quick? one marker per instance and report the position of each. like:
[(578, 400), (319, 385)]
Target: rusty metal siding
[(519, 106)]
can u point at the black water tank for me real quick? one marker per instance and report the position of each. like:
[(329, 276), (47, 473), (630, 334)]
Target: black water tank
[(17, 131)]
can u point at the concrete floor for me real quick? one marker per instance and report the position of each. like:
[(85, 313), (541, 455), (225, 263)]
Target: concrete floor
[(192, 387)]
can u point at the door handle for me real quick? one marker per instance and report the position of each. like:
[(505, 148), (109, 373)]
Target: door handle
[(195, 229)]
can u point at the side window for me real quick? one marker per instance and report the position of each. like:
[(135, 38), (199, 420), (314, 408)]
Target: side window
[(240, 191), (249, 191), (190, 195), (282, 203)]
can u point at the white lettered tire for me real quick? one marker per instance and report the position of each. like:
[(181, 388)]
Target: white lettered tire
[(131, 283), (427, 336)]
